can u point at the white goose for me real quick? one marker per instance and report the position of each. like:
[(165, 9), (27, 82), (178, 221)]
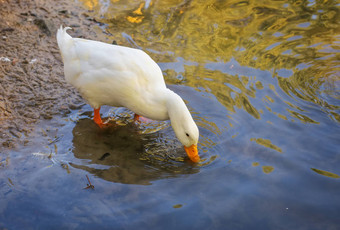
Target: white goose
[(119, 76)]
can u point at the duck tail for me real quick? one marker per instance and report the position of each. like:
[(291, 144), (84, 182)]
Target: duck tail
[(63, 39)]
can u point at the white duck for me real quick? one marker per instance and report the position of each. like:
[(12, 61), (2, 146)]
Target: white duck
[(119, 76)]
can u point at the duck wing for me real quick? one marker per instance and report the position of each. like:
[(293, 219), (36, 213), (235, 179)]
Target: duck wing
[(108, 74)]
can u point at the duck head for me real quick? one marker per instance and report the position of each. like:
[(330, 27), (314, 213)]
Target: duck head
[(184, 126)]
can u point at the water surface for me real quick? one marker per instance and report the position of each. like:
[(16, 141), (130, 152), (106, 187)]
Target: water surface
[(261, 79)]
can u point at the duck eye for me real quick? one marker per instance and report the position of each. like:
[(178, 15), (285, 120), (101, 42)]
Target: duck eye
[(187, 134)]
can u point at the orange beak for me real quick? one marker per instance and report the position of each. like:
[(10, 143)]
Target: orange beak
[(192, 153)]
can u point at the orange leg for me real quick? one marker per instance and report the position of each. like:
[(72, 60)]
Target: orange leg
[(97, 119), (137, 118)]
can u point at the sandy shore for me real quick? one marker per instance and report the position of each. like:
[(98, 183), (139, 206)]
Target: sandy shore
[(32, 85)]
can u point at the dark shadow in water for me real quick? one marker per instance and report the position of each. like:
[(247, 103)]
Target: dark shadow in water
[(122, 154)]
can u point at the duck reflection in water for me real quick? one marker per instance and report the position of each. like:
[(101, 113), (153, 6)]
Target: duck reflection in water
[(122, 154)]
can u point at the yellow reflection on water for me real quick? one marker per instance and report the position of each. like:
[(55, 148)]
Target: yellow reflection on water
[(297, 43), (302, 117), (10, 182), (138, 11), (267, 169), (137, 15), (90, 4), (136, 19), (325, 173), (266, 143)]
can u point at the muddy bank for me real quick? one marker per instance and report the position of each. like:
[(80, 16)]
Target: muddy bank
[(32, 85)]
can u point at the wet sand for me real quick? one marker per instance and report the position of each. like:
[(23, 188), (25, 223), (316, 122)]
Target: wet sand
[(32, 85)]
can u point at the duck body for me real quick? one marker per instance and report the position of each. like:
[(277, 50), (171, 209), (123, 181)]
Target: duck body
[(113, 75)]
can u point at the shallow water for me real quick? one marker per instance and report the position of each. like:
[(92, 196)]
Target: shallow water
[(262, 82)]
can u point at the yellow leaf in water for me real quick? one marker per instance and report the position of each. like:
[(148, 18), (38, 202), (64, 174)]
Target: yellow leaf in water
[(267, 169), (325, 173), (177, 206)]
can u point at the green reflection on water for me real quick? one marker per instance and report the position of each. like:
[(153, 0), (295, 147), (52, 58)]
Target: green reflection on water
[(296, 41)]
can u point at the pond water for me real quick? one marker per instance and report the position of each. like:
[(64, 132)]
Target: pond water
[(261, 79)]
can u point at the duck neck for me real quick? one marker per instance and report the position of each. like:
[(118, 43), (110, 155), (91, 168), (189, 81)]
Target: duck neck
[(163, 107), (177, 110)]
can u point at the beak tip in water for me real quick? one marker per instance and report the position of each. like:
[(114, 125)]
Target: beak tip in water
[(192, 153), (195, 159)]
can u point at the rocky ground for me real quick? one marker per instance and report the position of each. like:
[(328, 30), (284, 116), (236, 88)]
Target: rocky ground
[(31, 74)]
